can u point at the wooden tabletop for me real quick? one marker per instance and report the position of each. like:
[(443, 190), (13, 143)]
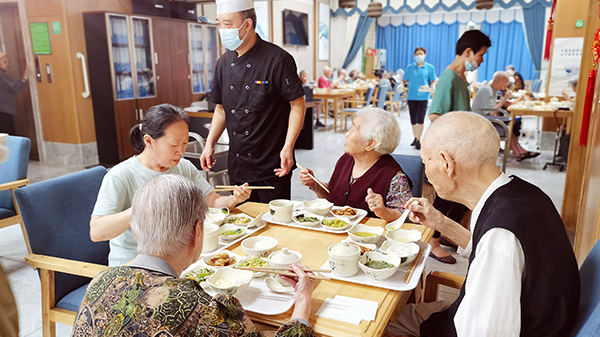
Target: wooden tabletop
[(333, 93), (313, 247), (542, 111)]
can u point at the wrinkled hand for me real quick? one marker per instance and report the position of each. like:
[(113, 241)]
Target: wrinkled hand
[(375, 202), (423, 212), (303, 284), (207, 159), (306, 180), (241, 193), (287, 160)]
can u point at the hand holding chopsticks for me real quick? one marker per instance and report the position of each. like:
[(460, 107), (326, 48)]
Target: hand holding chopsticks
[(288, 271), (315, 179)]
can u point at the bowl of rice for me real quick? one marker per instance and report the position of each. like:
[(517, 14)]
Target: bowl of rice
[(259, 246), (229, 281)]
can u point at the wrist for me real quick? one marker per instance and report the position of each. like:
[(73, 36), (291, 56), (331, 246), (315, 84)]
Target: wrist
[(315, 190)]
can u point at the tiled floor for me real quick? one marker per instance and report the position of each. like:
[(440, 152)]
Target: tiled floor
[(329, 147)]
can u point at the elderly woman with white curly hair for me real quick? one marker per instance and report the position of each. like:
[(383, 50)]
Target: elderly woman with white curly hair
[(367, 176)]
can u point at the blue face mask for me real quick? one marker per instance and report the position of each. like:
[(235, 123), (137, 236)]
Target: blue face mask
[(420, 58), (471, 66), (230, 38)]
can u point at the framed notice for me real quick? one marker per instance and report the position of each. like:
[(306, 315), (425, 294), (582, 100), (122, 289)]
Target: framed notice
[(323, 31), (566, 62), (40, 38)]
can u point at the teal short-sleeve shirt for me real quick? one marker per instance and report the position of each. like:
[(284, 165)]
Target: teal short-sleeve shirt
[(451, 94)]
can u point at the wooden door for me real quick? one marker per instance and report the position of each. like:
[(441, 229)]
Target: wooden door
[(12, 41), (126, 116)]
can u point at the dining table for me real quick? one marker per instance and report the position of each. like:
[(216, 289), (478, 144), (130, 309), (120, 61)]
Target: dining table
[(313, 247), (335, 95)]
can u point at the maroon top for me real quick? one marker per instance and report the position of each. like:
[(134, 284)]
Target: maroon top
[(377, 177)]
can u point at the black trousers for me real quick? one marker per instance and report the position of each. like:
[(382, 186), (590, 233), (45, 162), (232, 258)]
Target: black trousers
[(283, 188), (417, 110), (7, 123)]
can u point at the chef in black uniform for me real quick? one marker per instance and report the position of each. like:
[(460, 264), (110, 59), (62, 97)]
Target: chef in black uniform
[(260, 99)]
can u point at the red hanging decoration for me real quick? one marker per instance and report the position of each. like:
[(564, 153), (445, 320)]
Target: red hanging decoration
[(589, 93), (549, 33)]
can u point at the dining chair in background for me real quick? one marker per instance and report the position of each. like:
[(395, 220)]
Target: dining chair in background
[(380, 100), (352, 105), (14, 176), (56, 214), (414, 169), (500, 123)]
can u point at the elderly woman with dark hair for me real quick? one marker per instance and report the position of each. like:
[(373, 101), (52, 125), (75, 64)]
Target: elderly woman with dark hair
[(367, 176), (148, 298)]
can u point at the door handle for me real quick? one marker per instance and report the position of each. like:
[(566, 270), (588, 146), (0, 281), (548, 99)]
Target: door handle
[(86, 83)]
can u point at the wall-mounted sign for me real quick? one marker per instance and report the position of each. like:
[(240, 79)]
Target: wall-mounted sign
[(40, 38), (579, 24), (56, 29)]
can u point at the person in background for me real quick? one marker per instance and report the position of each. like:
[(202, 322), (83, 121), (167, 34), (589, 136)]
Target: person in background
[(8, 90), (517, 82), (522, 278), (573, 85), (340, 80), (148, 298), (366, 176), (305, 78), (416, 75), (260, 100), (382, 81), (485, 102), (160, 140), (353, 76), (324, 82), (390, 77)]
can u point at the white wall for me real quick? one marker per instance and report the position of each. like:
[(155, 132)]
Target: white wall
[(302, 54)]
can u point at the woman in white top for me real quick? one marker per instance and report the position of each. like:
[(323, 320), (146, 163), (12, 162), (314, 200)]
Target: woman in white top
[(161, 140)]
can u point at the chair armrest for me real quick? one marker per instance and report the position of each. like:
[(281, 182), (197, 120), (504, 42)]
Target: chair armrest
[(57, 264), (436, 278), (487, 111), (14, 184)]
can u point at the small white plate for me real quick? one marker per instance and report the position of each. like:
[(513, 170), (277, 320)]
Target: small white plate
[(239, 219), (240, 230), (307, 214), (351, 217), (346, 220), (206, 259), (256, 273)]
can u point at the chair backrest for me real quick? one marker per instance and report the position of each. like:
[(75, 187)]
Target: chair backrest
[(588, 315), (414, 169), (56, 214), (369, 95), (396, 97), (381, 96), (15, 168), (536, 85)]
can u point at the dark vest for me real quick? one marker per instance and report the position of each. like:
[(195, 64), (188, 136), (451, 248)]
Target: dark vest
[(377, 177), (550, 286)]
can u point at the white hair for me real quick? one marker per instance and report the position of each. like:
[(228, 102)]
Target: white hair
[(380, 126), (164, 213), (501, 74)]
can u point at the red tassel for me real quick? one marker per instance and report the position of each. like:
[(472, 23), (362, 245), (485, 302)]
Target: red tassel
[(549, 33), (587, 107)]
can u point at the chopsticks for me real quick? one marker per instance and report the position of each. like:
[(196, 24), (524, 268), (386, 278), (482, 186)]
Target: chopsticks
[(286, 271), (228, 188), (413, 266), (313, 178)]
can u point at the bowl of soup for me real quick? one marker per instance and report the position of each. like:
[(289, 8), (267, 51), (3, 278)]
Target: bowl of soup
[(379, 266), (365, 234), (404, 235)]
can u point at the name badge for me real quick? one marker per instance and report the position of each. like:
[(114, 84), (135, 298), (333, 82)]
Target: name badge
[(261, 82)]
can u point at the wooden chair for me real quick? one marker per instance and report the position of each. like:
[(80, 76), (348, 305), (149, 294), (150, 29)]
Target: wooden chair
[(394, 100), (57, 214), (14, 175), (352, 105)]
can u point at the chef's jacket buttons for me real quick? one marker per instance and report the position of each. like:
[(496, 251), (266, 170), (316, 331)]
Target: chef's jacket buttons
[(247, 133), (231, 87), (232, 111), (346, 193), (234, 133), (248, 65), (237, 155), (247, 87), (249, 155), (232, 64), (246, 111)]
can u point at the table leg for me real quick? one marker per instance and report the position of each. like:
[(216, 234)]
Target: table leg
[(335, 114), (507, 147)]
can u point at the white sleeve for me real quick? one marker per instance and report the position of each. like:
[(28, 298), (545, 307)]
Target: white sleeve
[(113, 196), (491, 306)]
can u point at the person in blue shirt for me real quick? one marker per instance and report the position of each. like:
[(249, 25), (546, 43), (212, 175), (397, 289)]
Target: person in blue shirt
[(418, 74)]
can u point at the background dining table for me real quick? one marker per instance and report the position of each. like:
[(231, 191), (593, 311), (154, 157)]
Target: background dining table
[(313, 247), (334, 95)]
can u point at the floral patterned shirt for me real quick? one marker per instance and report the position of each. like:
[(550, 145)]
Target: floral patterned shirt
[(129, 301), (399, 192)]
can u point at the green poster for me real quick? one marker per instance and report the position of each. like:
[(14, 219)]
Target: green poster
[(40, 38), (56, 29)]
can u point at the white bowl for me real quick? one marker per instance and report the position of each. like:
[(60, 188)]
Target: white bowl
[(376, 231), (379, 274), (240, 280), (318, 206), (238, 219), (307, 214), (349, 216), (407, 251), (336, 220), (216, 215), (284, 258), (364, 247), (210, 241), (281, 210), (233, 259), (226, 230), (404, 235), (264, 249), (259, 262)]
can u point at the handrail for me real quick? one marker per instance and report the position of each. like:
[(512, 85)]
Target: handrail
[(86, 93)]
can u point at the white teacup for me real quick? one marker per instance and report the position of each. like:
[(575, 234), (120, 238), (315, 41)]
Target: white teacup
[(211, 237), (281, 210)]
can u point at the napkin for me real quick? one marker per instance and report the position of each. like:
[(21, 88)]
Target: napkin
[(348, 309)]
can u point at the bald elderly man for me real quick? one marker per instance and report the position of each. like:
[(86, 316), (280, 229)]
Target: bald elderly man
[(522, 278)]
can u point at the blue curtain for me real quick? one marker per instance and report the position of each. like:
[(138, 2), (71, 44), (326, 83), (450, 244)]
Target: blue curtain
[(362, 28), (400, 43), (534, 22), (508, 47)]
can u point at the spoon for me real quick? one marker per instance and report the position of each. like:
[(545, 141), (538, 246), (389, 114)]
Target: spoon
[(399, 222), (276, 287)]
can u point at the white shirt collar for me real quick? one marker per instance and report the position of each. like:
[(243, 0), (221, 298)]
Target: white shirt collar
[(502, 180)]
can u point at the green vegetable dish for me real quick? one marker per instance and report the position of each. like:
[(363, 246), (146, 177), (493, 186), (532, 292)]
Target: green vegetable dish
[(335, 223), (200, 275), (239, 220), (255, 262), (303, 218), (377, 264), (232, 232)]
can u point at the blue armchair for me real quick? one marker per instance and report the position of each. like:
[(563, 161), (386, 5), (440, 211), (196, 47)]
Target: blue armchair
[(414, 169), (588, 315), (57, 214), (14, 175)]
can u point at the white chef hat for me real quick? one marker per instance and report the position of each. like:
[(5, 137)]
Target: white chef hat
[(232, 6)]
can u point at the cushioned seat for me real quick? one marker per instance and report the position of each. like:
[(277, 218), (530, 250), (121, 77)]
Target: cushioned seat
[(72, 300), (414, 169), (6, 213)]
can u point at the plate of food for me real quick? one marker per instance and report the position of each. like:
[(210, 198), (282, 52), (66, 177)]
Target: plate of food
[(222, 259), (229, 232), (199, 274), (254, 261), (345, 212), (336, 224), (239, 219), (307, 218)]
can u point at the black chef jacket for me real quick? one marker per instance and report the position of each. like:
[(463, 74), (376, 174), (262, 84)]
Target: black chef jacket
[(255, 91)]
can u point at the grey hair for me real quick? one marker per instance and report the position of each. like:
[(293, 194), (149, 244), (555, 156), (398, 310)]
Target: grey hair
[(501, 74), (380, 126), (164, 213)]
